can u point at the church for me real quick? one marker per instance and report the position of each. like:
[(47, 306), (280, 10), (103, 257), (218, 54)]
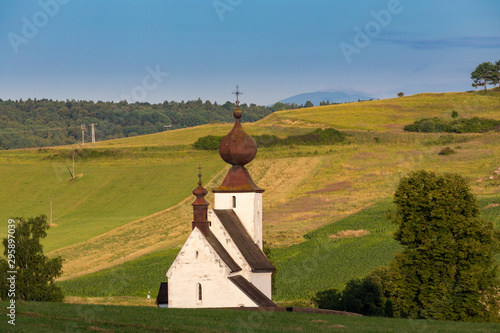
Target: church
[(222, 264)]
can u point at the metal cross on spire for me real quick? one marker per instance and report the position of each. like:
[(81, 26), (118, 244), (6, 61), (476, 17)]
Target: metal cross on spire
[(237, 93), (199, 174)]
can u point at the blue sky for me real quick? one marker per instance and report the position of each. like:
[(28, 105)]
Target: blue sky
[(156, 50)]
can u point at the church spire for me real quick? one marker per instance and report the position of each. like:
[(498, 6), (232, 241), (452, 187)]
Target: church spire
[(238, 148), (200, 207)]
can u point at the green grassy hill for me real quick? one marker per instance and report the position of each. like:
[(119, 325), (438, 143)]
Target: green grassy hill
[(130, 208), (52, 317), (390, 114)]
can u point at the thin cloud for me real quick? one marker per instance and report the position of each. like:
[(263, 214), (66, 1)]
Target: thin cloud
[(444, 43)]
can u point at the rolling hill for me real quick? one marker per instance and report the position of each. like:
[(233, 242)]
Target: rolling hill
[(130, 205), (322, 96)]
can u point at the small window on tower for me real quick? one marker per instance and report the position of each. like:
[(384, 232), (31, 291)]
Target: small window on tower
[(234, 201), (196, 254)]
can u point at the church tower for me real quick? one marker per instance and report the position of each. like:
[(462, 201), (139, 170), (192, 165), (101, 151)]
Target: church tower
[(222, 264), (238, 191), (200, 208)]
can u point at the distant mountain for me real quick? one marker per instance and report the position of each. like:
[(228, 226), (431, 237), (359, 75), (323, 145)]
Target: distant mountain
[(319, 96)]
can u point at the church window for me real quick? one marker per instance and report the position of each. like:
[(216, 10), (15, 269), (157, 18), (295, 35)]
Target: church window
[(234, 201), (199, 292)]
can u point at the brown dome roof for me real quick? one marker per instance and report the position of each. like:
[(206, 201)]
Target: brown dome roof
[(237, 148)]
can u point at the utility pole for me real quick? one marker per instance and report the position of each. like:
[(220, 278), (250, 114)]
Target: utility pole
[(83, 135), (73, 174), (50, 209), (93, 133)]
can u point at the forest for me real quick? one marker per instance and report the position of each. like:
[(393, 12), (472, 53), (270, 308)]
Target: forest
[(45, 122)]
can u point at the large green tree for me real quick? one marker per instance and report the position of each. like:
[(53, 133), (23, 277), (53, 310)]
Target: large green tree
[(447, 269), (485, 74), (34, 280)]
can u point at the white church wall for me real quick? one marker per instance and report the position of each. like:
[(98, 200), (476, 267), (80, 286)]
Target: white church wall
[(263, 281), (248, 207), (197, 263)]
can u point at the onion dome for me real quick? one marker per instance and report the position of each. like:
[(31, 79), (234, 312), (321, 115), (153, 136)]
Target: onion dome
[(238, 148)]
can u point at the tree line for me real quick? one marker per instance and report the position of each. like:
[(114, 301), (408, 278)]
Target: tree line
[(45, 122)]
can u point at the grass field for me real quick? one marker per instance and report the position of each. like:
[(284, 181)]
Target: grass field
[(111, 191), (393, 114), (53, 317), (319, 263), (129, 211)]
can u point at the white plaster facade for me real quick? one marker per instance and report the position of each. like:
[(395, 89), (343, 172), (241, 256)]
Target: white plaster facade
[(248, 207), (199, 265)]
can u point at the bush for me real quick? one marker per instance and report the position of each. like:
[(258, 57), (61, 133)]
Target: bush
[(388, 309), (447, 151), (267, 140), (362, 296), (330, 299), (427, 126), (209, 142), (454, 114), (319, 136), (462, 125)]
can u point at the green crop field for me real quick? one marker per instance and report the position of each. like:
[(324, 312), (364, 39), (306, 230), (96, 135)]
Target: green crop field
[(53, 317)]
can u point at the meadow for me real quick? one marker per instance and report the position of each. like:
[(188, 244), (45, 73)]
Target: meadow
[(389, 114), (322, 261), (121, 222), (53, 317)]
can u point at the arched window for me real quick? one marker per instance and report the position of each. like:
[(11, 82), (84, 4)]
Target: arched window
[(199, 292), (234, 201)]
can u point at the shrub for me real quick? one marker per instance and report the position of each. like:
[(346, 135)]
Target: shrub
[(267, 140), (454, 114), (462, 125), (388, 309), (362, 296), (427, 126), (317, 137), (447, 151), (330, 299), (209, 142)]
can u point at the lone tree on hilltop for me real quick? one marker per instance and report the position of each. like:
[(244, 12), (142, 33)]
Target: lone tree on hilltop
[(447, 269), (485, 74), (34, 280), (497, 65)]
